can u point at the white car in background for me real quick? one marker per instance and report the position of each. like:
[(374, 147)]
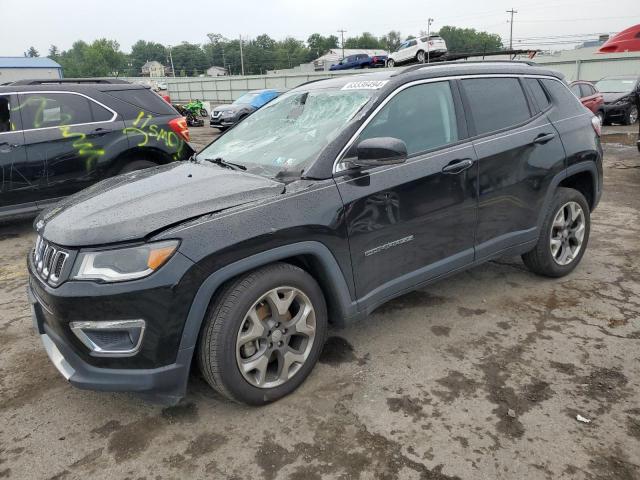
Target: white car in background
[(416, 50)]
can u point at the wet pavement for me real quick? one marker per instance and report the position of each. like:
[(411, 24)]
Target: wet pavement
[(478, 377)]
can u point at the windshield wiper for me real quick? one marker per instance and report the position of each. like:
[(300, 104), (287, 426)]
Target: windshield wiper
[(223, 163)]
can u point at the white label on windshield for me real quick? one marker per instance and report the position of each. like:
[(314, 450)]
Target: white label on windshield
[(365, 85)]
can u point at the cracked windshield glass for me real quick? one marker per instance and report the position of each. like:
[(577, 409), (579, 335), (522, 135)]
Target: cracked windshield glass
[(287, 135)]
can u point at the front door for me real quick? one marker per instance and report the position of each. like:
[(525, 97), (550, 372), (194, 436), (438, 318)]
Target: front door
[(413, 221), (13, 154)]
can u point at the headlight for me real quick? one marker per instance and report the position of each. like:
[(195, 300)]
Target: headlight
[(122, 264), (622, 101)]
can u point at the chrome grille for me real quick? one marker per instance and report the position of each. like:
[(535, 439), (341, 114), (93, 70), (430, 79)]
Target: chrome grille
[(48, 261)]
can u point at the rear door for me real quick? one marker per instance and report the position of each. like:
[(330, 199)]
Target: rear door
[(412, 221), (68, 136), (519, 152), (13, 154)]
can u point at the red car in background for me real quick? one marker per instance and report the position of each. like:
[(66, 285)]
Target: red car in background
[(590, 97)]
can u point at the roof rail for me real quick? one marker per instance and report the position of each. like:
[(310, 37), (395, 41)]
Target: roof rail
[(413, 68), (60, 81), (454, 58)]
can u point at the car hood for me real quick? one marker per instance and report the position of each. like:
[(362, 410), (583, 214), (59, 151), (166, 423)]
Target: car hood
[(133, 205), (614, 96)]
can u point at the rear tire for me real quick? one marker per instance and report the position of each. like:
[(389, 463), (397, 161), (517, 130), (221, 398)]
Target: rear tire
[(564, 235), (137, 165), (257, 344), (421, 57)]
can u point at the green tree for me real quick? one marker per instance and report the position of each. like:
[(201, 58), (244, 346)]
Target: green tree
[(32, 52), (54, 53), (466, 40), (143, 52), (366, 40), (391, 40), (188, 56), (102, 58), (319, 45)]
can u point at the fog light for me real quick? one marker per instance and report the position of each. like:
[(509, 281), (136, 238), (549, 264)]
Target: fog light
[(117, 338)]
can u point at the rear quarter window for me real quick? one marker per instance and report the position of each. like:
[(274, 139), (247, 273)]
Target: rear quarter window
[(565, 102), (143, 99), (496, 103), (539, 95)]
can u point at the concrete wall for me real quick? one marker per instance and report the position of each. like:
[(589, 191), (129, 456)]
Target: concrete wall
[(227, 89), (586, 64)]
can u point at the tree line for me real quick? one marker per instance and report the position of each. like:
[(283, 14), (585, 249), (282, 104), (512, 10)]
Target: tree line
[(103, 57)]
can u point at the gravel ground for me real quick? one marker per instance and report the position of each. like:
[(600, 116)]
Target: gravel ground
[(478, 377)]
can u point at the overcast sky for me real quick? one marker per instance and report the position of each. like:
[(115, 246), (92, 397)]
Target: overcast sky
[(60, 22)]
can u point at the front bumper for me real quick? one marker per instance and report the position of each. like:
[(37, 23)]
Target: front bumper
[(612, 111), (166, 384), (223, 121)]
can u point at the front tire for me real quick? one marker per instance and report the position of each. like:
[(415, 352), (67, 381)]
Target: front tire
[(263, 334), (564, 235), (391, 63), (632, 116)]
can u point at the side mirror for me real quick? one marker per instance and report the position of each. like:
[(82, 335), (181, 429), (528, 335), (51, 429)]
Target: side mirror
[(374, 152)]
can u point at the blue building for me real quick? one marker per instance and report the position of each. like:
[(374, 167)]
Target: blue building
[(22, 68)]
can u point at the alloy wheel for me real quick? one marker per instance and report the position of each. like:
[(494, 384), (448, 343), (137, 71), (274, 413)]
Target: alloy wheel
[(633, 115), (567, 233), (421, 56), (275, 337)]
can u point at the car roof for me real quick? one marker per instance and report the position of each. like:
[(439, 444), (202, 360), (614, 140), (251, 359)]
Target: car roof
[(621, 77), (435, 70), (265, 90), (86, 88)]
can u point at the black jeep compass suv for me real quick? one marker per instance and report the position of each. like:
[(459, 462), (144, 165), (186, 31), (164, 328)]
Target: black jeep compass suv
[(331, 200), (60, 136)]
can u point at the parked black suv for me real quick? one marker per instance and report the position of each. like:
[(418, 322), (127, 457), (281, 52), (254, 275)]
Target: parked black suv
[(60, 136), (331, 200)]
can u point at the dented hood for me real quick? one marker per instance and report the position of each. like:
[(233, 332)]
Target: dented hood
[(131, 206)]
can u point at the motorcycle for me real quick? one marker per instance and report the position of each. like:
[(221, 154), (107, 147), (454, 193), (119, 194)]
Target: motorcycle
[(197, 108), (192, 118)]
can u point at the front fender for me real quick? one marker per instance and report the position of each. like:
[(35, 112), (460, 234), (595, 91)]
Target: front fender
[(337, 294)]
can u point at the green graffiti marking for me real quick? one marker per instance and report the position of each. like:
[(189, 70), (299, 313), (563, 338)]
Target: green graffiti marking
[(84, 147), (154, 132)]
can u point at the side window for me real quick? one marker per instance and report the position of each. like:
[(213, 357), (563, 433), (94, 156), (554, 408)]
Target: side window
[(586, 90), (99, 113), (566, 103), (143, 99), (422, 116), (412, 43), (9, 115), (42, 110), (538, 93), (575, 89), (496, 103)]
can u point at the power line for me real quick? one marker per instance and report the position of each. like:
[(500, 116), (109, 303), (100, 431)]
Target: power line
[(342, 32), (512, 12)]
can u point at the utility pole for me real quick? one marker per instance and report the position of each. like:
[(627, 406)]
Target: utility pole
[(241, 57), (429, 22), (512, 12), (342, 32), (173, 70)]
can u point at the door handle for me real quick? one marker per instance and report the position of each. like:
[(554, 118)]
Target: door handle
[(457, 166), (99, 131), (544, 138)]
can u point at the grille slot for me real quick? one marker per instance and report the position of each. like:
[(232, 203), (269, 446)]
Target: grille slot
[(49, 261)]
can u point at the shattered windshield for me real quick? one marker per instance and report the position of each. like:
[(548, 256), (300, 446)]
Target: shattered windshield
[(286, 136)]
